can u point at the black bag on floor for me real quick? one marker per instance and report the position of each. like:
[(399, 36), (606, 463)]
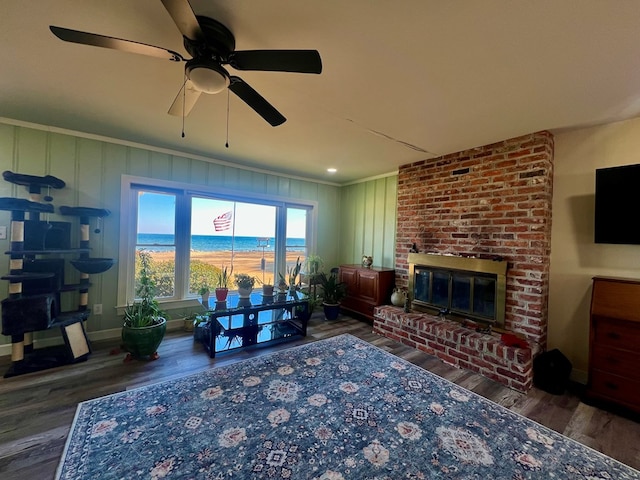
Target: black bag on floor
[(551, 372)]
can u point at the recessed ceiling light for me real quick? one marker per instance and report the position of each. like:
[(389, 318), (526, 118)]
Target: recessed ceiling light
[(332, 170)]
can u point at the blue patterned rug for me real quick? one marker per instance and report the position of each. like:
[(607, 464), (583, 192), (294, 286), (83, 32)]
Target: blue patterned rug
[(334, 409)]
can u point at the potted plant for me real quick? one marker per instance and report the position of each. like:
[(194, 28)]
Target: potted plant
[(267, 288), (245, 283), (333, 292), (282, 284), (314, 265), (200, 322), (222, 284), (281, 294), (292, 281), (313, 268), (204, 293), (144, 321)]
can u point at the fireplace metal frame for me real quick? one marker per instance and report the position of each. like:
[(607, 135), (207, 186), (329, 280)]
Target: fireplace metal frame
[(467, 265)]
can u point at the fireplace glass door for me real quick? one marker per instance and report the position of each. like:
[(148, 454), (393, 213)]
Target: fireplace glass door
[(465, 293)]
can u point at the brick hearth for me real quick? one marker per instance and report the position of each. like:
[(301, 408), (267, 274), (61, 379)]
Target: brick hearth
[(458, 345)]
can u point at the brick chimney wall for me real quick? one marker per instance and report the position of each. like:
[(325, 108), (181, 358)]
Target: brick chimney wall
[(489, 201)]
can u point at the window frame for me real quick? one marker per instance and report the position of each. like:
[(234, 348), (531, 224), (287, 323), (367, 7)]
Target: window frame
[(129, 187)]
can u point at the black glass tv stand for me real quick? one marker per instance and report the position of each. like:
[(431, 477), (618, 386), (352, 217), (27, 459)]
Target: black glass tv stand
[(245, 322)]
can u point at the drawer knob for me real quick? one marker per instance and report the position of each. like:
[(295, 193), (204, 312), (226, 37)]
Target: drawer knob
[(611, 386), (613, 335)]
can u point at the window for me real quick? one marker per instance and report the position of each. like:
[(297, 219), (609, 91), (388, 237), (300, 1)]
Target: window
[(156, 233), (190, 234)]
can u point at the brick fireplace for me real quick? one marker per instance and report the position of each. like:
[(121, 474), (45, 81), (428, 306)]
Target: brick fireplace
[(488, 202)]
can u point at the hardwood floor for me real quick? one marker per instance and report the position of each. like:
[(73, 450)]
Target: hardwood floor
[(36, 410)]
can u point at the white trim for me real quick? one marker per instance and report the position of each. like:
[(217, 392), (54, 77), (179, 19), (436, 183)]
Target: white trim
[(369, 179)]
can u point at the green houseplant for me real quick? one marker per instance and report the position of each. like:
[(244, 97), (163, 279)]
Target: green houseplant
[(267, 288), (245, 283), (313, 267), (145, 322), (314, 264), (222, 283), (204, 293), (292, 280), (333, 291)]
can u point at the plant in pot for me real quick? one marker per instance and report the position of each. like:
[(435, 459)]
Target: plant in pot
[(200, 322), (245, 283), (333, 292), (292, 280), (267, 288), (204, 293), (282, 289), (313, 267), (144, 321), (222, 284)]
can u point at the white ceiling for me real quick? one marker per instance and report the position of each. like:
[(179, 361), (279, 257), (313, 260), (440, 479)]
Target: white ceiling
[(402, 80)]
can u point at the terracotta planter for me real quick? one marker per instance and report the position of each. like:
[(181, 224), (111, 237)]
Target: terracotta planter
[(144, 341), (221, 294)]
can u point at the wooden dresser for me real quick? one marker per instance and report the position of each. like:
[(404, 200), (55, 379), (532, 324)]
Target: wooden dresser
[(366, 288), (614, 342)]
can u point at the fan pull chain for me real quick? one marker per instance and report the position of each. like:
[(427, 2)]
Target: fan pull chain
[(98, 222), (184, 99), (48, 196), (227, 143)]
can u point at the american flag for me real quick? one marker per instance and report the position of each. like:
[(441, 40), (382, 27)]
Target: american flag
[(222, 222)]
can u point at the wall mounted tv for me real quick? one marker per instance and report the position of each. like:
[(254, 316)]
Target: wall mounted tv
[(617, 205)]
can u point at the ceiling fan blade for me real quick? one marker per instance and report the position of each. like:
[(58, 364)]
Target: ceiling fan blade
[(252, 98), (300, 61), (187, 97), (93, 39), (184, 18)]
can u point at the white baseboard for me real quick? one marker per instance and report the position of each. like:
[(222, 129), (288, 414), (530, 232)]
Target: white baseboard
[(111, 334)]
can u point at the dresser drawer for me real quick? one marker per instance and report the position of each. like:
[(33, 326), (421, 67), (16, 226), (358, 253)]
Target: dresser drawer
[(616, 333), (615, 388), (616, 361)]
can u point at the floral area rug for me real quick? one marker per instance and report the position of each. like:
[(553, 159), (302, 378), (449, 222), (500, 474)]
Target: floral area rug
[(334, 409)]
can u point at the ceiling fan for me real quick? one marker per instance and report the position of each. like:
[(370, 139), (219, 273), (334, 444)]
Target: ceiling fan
[(211, 45)]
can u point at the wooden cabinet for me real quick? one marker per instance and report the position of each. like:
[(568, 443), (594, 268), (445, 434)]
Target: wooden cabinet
[(366, 288), (614, 342)]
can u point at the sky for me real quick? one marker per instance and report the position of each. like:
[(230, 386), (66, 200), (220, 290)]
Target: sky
[(251, 220)]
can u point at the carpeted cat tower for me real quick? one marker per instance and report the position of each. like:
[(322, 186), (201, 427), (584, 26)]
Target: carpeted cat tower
[(36, 276)]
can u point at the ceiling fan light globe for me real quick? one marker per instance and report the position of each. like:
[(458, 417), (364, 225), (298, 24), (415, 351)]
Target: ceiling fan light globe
[(207, 77)]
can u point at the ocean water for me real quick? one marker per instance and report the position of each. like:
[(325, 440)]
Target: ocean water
[(212, 243)]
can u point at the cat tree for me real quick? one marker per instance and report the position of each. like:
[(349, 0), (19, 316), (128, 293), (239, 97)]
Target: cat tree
[(36, 276)]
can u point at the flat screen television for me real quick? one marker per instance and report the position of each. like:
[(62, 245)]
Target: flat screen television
[(617, 212)]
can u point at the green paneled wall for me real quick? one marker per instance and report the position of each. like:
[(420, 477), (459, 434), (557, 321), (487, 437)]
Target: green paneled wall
[(368, 221), (92, 170)]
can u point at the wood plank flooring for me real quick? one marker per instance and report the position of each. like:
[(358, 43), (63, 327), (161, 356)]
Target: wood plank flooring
[(36, 410)]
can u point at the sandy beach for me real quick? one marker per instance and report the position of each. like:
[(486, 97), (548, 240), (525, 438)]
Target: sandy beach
[(243, 262)]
